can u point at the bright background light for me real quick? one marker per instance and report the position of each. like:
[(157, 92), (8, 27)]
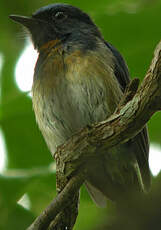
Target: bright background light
[(25, 68), (155, 159), (1, 61), (25, 201), (3, 153)]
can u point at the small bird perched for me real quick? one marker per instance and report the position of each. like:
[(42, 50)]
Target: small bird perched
[(79, 79)]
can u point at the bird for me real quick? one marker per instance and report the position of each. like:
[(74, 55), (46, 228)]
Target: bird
[(79, 79)]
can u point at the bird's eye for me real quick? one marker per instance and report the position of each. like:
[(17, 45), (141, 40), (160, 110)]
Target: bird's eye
[(60, 15)]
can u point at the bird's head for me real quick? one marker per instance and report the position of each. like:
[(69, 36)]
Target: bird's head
[(59, 22)]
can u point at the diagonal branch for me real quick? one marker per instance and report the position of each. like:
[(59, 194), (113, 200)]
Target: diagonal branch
[(130, 117), (128, 120), (58, 204)]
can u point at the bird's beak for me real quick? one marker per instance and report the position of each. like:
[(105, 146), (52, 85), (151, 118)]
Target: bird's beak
[(38, 29), (28, 22)]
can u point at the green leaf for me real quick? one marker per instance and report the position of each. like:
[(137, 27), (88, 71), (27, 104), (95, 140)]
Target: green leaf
[(15, 218), (15, 183)]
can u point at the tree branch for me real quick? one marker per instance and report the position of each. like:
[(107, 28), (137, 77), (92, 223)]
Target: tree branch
[(128, 120), (131, 115), (58, 204)]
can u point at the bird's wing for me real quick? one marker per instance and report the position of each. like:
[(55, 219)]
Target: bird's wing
[(141, 141)]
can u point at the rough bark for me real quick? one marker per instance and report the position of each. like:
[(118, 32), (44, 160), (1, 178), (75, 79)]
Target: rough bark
[(133, 112)]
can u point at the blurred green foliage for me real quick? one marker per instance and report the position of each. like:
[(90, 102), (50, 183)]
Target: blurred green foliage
[(133, 26)]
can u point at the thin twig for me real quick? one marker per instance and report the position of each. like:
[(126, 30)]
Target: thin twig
[(59, 203)]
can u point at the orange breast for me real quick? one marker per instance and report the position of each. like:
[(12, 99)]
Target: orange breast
[(52, 68), (47, 46)]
